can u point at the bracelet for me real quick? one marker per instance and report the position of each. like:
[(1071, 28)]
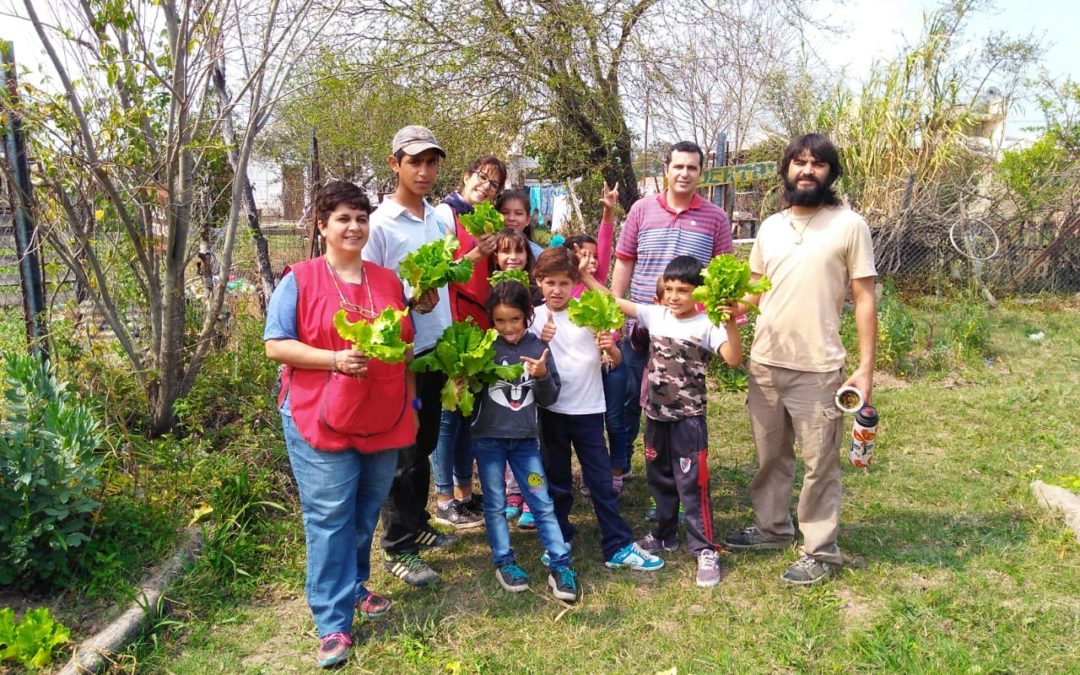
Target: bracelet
[(333, 361)]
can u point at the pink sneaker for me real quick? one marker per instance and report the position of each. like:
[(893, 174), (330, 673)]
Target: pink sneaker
[(333, 649)]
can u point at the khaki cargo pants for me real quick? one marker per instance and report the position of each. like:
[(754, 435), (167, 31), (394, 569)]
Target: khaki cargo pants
[(789, 407)]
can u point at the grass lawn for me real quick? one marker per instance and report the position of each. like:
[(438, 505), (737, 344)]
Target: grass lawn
[(950, 565)]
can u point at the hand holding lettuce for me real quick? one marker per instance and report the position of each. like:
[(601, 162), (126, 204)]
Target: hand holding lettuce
[(380, 339), (466, 355), (599, 312), (433, 266), (727, 281), (484, 220)]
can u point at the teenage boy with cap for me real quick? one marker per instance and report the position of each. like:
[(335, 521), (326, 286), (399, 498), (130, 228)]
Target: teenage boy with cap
[(402, 223)]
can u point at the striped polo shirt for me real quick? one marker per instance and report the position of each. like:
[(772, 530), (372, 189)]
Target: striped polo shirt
[(654, 234)]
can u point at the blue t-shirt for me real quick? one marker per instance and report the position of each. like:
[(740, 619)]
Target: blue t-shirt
[(281, 311)]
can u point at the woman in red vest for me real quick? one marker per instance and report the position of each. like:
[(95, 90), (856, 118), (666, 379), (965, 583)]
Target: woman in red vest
[(452, 461), (344, 415)]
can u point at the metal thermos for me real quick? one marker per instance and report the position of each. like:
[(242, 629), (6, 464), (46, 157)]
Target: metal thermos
[(863, 437)]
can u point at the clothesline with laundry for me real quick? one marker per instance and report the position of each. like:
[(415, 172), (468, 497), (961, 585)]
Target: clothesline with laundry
[(554, 205)]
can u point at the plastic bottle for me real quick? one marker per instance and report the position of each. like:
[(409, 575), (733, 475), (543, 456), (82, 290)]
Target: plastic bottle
[(863, 437)]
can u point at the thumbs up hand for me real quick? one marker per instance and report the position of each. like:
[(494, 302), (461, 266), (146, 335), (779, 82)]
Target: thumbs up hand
[(548, 333)]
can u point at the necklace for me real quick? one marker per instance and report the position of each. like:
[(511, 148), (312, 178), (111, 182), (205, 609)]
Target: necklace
[(366, 312), (799, 233)]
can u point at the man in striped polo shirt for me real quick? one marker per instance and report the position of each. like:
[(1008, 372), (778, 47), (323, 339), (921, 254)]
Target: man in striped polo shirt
[(658, 229)]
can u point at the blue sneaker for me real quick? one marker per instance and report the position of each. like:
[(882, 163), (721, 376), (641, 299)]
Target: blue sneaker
[(512, 578), (633, 557), (527, 521), (563, 585), (513, 506)]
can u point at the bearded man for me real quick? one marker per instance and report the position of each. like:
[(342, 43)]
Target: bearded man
[(813, 252)]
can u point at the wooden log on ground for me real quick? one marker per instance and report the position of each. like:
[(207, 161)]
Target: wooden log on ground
[(91, 654), (1059, 499)]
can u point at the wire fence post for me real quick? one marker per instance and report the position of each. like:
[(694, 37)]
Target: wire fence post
[(33, 287)]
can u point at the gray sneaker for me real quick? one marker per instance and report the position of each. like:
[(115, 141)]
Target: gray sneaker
[(753, 539), (654, 545), (457, 515), (410, 568), (807, 571), (708, 568)]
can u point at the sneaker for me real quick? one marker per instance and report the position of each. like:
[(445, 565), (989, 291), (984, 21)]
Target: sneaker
[(373, 606), (753, 539), (429, 537), (563, 584), (633, 557), (410, 568), (545, 557), (653, 545), (708, 568), (512, 578), (457, 515), (475, 503), (513, 506), (650, 513), (527, 521), (333, 649), (807, 571)]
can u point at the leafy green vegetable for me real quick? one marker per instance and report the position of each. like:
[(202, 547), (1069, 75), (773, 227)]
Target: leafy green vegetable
[(433, 266), (466, 354), (520, 276), (596, 310), (380, 339), (727, 281), (34, 640), (483, 220)]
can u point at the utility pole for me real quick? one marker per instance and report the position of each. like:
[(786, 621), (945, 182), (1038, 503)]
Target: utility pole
[(33, 287)]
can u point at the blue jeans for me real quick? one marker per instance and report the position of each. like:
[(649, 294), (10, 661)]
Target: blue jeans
[(451, 463), (586, 434), (615, 398), (340, 496), (523, 454), (634, 361)]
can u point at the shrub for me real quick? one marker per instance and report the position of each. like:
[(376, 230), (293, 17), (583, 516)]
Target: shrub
[(47, 472)]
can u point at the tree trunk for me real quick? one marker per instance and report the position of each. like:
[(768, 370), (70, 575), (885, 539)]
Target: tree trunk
[(228, 133)]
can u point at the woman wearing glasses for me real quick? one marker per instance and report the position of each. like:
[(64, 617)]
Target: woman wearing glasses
[(452, 461), (344, 415)]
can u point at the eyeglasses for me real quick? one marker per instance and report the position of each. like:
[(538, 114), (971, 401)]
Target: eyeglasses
[(484, 179)]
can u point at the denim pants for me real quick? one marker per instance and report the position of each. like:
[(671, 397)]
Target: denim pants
[(340, 496), (614, 422), (586, 434), (452, 461), (523, 455), (634, 361)]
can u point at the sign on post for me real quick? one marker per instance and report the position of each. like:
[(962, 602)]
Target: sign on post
[(739, 173)]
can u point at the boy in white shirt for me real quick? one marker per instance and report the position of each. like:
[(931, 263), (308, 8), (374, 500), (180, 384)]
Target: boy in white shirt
[(682, 340)]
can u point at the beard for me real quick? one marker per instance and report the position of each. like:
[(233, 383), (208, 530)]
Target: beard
[(815, 196)]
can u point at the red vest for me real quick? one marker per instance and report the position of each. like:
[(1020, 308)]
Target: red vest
[(331, 410), (470, 298)]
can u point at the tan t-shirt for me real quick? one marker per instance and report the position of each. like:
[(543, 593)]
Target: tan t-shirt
[(799, 326)]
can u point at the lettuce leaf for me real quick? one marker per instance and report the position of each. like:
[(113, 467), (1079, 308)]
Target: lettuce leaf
[(727, 280), (596, 310), (499, 276), (466, 355), (483, 220), (433, 266), (380, 339)]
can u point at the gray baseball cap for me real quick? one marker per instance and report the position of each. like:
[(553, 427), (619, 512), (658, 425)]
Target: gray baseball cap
[(415, 139)]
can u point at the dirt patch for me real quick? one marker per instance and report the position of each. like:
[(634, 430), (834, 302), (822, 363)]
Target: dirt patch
[(886, 380), (82, 617), (857, 611)]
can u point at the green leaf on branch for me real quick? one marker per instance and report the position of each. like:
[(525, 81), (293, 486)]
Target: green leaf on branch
[(380, 339), (596, 310), (433, 266), (727, 281), (484, 220), (465, 353)]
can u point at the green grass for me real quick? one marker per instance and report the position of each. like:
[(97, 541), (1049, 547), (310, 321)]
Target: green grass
[(950, 566)]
